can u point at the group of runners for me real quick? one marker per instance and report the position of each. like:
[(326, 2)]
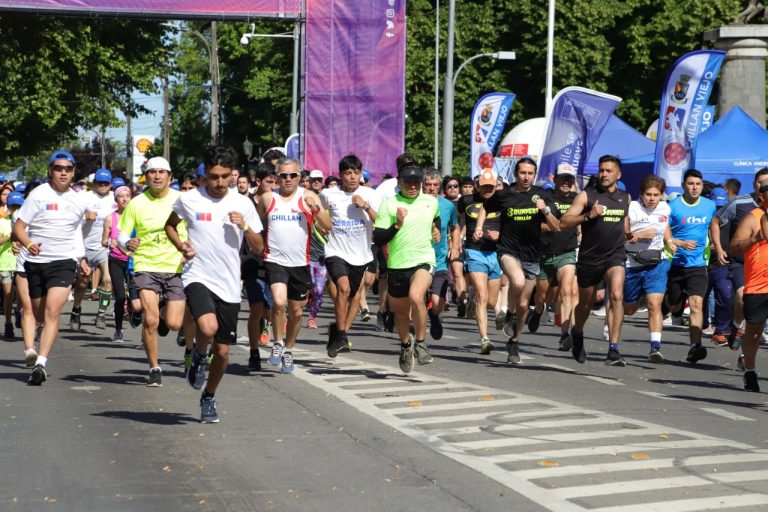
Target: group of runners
[(177, 256)]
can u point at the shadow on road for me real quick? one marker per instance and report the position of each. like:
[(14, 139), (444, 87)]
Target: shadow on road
[(153, 418)]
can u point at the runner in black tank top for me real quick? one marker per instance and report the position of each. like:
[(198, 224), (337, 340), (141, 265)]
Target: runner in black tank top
[(602, 214)]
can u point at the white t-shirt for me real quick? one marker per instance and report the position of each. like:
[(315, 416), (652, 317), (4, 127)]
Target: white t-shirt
[(388, 188), (642, 218), (93, 230), (54, 220), (216, 239), (352, 228)]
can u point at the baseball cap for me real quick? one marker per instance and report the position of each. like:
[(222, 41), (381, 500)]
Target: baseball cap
[(565, 168), (200, 170), (548, 185), (15, 198), (719, 196), (103, 175), (316, 174), (118, 182), (366, 176), (175, 185), (411, 172), (156, 162), (21, 187), (3, 179), (487, 177), (622, 186), (62, 154)]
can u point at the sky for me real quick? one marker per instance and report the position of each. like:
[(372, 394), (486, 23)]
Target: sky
[(144, 124)]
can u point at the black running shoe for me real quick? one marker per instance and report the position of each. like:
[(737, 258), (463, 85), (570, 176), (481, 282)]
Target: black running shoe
[(578, 351), (389, 322), (696, 354), (74, 320), (513, 352), (135, 319), (461, 310), (162, 327), (38, 375), (750, 381), (336, 344), (254, 362), (435, 325), (565, 343), (614, 358), (655, 356), (379, 322), (510, 325), (180, 339), (534, 320)]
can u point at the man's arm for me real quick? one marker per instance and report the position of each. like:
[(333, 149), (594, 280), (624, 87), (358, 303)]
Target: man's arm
[(748, 233), (714, 235), (575, 215), (321, 217)]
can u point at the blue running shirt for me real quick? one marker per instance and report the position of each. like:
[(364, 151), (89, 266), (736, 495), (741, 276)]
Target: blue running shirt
[(691, 222)]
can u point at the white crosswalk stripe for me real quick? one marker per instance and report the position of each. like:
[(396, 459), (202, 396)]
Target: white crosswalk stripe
[(562, 457)]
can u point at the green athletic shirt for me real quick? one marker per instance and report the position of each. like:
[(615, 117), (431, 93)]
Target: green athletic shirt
[(412, 244), (7, 258), (148, 214)]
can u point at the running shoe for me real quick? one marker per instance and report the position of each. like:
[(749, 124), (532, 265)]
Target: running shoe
[(264, 337), (565, 343), (740, 363), (38, 375), (696, 353), (750, 381), (277, 352), (500, 319), (422, 353), (118, 336), (208, 413), (17, 316), (379, 322), (30, 357), (187, 361), (709, 331), (74, 320), (100, 322), (181, 340), (9, 334), (287, 360), (407, 359), (209, 357), (513, 352), (510, 325), (600, 312), (389, 323), (606, 333), (162, 327), (155, 379), (364, 315), (135, 319), (311, 323), (534, 320), (614, 358), (486, 346), (471, 309), (254, 361), (435, 325), (196, 372), (578, 351), (719, 339), (461, 310), (655, 356), (677, 321), (734, 338)]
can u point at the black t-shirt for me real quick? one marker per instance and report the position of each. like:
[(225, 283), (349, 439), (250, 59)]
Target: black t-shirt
[(469, 207), (603, 237), (520, 221), (562, 241)]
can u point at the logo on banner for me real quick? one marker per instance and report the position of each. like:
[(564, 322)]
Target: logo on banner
[(575, 111), (681, 90), (675, 153), (486, 114), (673, 119)]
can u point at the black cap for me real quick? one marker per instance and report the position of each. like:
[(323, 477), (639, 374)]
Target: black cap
[(411, 172)]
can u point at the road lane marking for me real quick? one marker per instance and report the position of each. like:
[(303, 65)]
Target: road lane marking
[(726, 414)]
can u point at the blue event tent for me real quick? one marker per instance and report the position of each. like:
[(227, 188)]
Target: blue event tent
[(734, 147)]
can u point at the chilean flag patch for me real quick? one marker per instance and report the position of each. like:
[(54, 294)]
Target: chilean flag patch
[(51, 206), (203, 217)]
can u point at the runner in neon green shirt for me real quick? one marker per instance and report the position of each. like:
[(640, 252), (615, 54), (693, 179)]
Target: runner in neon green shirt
[(408, 222)]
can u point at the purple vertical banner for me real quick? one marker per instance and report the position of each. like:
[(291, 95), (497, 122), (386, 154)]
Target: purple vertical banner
[(354, 85), (170, 9)]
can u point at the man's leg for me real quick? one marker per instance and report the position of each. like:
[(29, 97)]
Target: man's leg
[(105, 294), (54, 301), (513, 269), (696, 303), (294, 310), (342, 302), (420, 282), (567, 295), (480, 281), (279, 303), (614, 283), (150, 306)]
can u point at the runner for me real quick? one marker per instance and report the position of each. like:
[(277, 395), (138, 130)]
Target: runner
[(687, 238), (647, 265), (558, 261), (407, 222), (523, 209), (217, 218), (23, 302), (157, 263), (7, 261), (118, 260), (53, 213), (749, 242), (447, 249), (288, 214), (602, 213), (480, 260), (352, 209)]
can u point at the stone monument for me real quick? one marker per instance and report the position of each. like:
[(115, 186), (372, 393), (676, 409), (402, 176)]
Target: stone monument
[(742, 76)]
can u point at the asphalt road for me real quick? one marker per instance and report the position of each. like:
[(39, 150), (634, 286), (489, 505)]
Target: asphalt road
[(466, 432)]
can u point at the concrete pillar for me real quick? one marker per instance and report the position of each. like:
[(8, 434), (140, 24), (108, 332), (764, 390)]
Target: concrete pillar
[(742, 76)]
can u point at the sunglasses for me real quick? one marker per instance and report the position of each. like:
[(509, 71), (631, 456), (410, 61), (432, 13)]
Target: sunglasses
[(452, 186), (187, 188), (64, 168), (288, 175)]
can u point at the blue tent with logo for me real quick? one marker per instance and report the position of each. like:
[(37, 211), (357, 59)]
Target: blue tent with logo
[(734, 147), (635, 150)]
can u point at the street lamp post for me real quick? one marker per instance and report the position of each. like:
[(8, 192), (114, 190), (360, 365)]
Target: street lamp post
[(450, 85), (296, 36), (213, 68)]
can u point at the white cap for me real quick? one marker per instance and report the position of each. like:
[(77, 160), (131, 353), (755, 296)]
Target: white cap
[(158, 162), (565, 169), (316, 174)]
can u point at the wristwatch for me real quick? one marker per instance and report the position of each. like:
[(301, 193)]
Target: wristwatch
[(547, 211)]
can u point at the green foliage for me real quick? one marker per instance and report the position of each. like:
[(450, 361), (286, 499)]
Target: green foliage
[(63, 73)]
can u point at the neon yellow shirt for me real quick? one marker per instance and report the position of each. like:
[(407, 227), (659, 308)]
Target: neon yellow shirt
[(148, 214), (7, 258), (412, 245)]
